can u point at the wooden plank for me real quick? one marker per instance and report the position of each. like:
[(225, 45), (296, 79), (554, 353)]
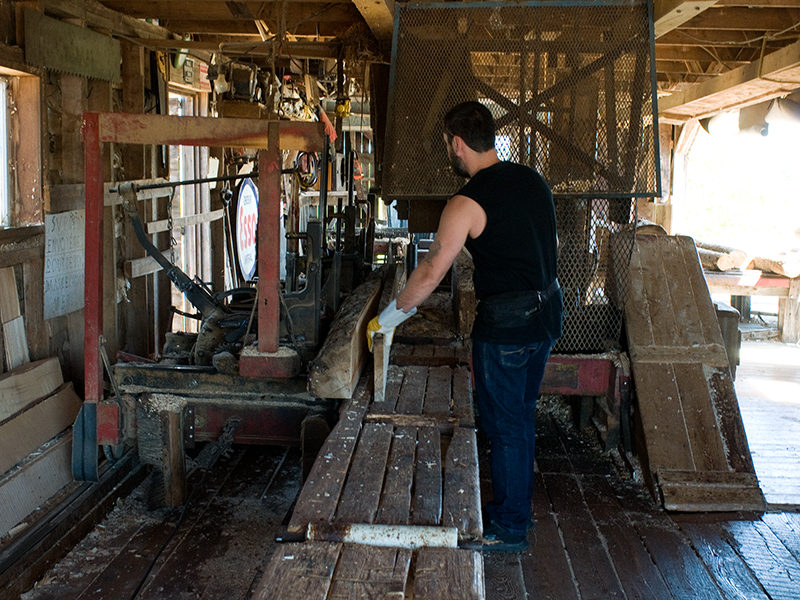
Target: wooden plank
[(320, 494), (545, 567), (682, 570), (774, 566), (362, 491), (395, 504), (703, 430), (786, 527), (299, 572), (634, 566), (139, 267), (335, 371), (15, 343), (27, 384), (671, 14), (666, 329), (9, 298), (36, 481), (590, 561), (462, 397), (681, 266), (427, 506), (381, 350), (462, 500), (448, 574), (503, 575), (178, 222), (371, 573), (730, 572), (665, 433), (721, 491), (437, 391), (24, 433), (173, 462), (412, 393)]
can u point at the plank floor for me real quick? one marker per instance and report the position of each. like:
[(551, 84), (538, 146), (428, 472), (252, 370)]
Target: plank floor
[(768, 388), (598, 532)]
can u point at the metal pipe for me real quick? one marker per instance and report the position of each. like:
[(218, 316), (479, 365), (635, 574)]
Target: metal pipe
[(172, 184)]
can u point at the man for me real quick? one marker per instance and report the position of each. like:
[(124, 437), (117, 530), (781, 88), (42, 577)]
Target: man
[(506, 219)]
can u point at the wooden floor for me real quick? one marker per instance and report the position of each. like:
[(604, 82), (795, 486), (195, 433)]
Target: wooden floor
[(768, 388), (599, 535)]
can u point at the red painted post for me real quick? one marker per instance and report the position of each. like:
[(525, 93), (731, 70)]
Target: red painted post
[(93, 280), (269, 230)]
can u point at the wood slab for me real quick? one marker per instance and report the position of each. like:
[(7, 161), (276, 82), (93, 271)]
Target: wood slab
[(371, 573), (27, 384), (448, 574), (462, 498), (9, 299), (24, 433), (320, 495), (16, 343), (23, 489), (299, 572), (335, 371), (688, 411)]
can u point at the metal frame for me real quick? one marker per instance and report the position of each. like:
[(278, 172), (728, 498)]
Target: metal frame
[(270, 137)]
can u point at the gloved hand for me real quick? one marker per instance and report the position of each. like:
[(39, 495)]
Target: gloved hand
[(386, 322)]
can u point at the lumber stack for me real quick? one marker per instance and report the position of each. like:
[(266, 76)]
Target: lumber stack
[(37, 410)]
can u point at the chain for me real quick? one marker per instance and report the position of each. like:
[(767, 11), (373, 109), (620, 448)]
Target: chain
[(170, 226)]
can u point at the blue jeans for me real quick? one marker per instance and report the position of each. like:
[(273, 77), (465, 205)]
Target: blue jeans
[(507, 379)]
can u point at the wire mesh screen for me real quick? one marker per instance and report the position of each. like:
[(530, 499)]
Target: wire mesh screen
[(569, 86), (595, 242)]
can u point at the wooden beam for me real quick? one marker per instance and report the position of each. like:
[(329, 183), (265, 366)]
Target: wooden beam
[(251, 48), (669, 14), (97, 16), (774, 75), (379, 15), (736, 18), (27, 384), (205, 131)]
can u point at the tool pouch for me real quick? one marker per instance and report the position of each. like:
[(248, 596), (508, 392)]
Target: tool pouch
[(514, 309)]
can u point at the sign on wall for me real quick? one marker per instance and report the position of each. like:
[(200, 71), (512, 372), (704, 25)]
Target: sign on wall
[(64, 255)]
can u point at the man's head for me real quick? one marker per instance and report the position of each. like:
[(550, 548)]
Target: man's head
[(473, 123)]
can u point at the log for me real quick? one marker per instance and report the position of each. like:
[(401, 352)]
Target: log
[(27, 384), (335, 371), (714, 260), (787, 265), (739, 257)]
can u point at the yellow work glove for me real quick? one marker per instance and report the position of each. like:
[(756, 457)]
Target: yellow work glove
[(386, 322)]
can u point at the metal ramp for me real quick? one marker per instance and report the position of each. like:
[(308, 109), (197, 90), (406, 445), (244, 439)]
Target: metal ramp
[(692, 440)]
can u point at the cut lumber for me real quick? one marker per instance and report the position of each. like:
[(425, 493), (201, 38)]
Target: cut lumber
[(449, 574), (16, 343), (27, 384), (299, 571), (335, 371), (9, 300), (24, 433), (382, 344), (23, 489), (787, 265), (739, 257), (462, 499), (714, 260), (721, 491)]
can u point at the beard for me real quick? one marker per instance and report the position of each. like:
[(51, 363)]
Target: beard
[(457, 164)]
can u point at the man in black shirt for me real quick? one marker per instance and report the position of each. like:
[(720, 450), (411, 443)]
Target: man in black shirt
[(506, 219)]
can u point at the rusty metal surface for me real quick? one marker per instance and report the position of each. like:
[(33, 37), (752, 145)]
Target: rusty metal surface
[(64, 47)]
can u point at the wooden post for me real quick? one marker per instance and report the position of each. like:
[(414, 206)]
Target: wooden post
[(269, 206), (173, 464), (789, 314)]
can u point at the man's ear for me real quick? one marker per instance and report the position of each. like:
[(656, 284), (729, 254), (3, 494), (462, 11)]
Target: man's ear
[(457, 144)]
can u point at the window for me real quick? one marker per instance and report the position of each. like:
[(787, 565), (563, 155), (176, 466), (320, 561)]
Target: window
[(5, 184)]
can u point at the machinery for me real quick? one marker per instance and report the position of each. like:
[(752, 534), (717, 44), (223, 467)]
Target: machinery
[(273, 327)]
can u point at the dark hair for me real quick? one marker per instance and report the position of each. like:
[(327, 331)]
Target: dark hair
[(472, 122)]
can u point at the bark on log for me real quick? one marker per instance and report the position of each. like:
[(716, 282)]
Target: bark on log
[(336, 369), (739, 257), (714, 260), (788, 265)]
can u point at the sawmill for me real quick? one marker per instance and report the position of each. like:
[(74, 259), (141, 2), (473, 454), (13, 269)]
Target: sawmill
[(214, 384)]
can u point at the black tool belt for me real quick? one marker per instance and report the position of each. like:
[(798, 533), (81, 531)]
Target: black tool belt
[(515, 309)]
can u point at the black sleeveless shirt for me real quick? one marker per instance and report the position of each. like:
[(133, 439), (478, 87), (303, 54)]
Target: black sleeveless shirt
[(517, 249)]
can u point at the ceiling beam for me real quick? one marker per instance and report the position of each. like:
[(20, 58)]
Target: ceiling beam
[(97, 16), (774, 75), (669, 14), (316, 50), (379, 15), (742, 18)]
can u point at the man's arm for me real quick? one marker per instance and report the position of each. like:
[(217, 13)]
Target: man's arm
[(461, 217)]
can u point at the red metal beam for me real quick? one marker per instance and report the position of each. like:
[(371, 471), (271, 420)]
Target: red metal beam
[(93, 267)]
